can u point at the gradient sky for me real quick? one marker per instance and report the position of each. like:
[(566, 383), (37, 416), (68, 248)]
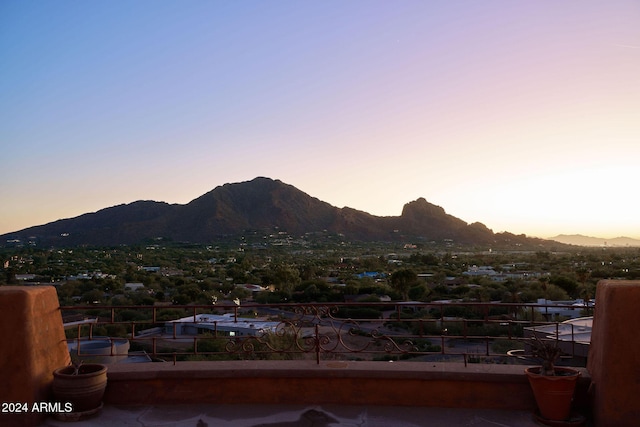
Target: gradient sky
[(524, 116)]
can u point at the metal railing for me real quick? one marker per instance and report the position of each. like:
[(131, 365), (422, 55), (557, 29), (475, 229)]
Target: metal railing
[(437, 331)]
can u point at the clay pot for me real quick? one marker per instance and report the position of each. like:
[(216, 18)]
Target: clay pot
[(553, 393), (84, 389)]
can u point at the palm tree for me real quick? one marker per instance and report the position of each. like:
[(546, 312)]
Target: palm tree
[(583, 275)]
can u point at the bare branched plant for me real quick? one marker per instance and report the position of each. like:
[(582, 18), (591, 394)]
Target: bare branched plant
[(547, 351)]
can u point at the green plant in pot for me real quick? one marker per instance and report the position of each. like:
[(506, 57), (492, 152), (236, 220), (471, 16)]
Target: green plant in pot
[(80, 384), (553, 386)]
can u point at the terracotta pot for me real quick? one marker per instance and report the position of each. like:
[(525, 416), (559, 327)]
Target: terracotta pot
[(84, 390), (553, 393)]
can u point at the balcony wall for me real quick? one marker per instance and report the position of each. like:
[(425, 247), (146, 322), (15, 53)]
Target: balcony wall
[(35, 346), (305, 382)]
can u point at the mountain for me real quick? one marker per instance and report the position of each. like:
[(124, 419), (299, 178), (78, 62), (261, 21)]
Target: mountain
[(580, 240), (261, 204)]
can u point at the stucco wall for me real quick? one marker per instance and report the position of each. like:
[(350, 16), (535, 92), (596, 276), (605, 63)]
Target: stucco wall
[(33, 345), (614, 355)]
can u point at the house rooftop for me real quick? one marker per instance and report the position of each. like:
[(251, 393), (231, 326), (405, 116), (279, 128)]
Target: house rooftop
[(225, 322)]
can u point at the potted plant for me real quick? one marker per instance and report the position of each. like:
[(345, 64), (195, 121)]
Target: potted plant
[(80, 384), (553, 386)]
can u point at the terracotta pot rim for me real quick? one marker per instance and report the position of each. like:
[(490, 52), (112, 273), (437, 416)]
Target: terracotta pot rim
[(534, 371), (94, 369)]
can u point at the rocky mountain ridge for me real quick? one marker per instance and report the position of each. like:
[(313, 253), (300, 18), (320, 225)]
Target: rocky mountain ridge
[(262, 204), (580, 240)]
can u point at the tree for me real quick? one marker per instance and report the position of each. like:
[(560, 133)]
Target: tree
[(285, 278), (583, 274), (568, 285), (93, 296), (555, 293), (402, 280), (419, 292)]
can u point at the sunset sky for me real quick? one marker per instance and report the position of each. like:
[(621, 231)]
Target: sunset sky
[(522, 115)]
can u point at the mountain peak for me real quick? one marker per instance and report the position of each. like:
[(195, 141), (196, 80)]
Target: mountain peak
[(259, 204), (421, 207)]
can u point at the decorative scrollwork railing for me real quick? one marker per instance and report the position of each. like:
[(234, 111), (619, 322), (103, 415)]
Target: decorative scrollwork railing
[(367, 331)]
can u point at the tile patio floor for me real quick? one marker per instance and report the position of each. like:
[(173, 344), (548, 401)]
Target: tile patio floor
[(210, 415)]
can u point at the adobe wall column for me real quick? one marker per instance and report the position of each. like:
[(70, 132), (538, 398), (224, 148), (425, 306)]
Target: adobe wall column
[(614, 354), (33, 345)]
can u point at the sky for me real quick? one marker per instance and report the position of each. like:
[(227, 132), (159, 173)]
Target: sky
[(524, 116)]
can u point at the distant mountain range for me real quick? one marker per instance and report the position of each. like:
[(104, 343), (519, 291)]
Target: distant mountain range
[(262, 205), (580, 240)]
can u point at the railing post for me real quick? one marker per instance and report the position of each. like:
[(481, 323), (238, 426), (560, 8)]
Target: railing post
[(317, 344), (532, 315), (78, 341), (573, 342)]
